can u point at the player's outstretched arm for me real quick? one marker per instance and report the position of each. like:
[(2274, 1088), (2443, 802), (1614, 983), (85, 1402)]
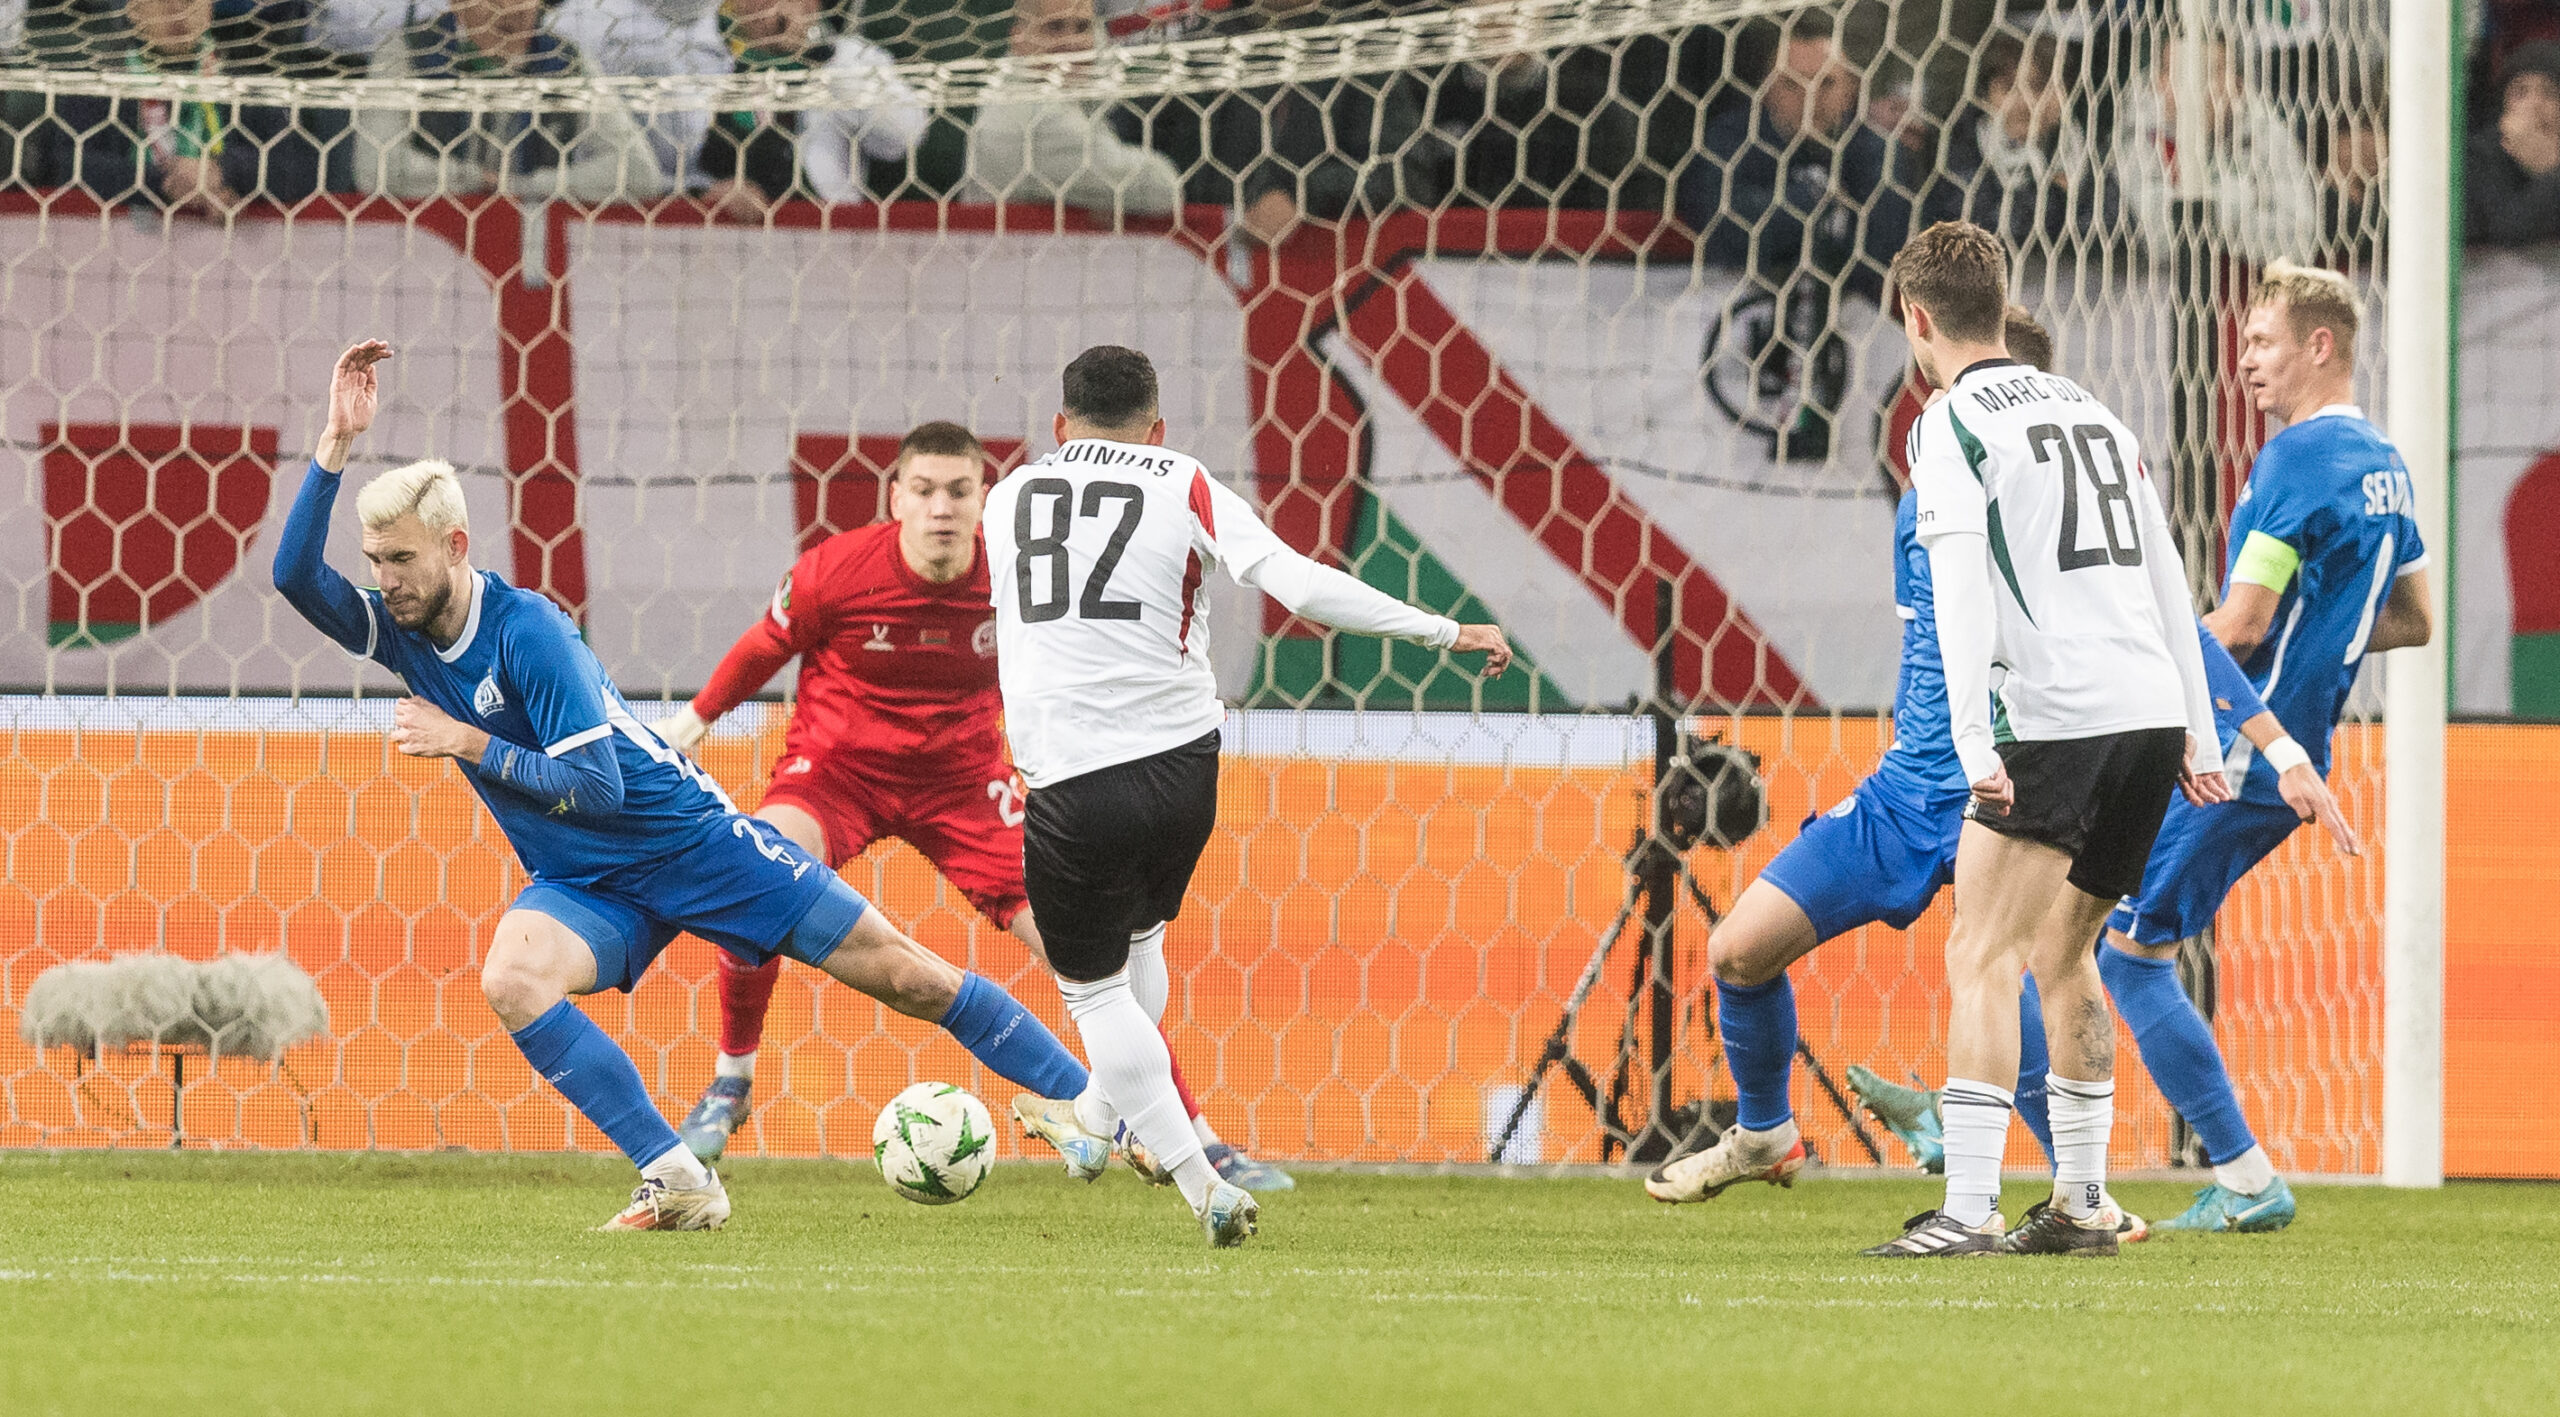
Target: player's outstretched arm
[(2298, 782), (322, 596), (752, 661), (1259, 559)]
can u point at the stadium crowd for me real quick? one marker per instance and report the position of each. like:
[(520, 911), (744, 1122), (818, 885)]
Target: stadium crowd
[(1819, 145)]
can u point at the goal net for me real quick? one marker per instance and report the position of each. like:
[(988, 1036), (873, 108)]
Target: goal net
[(1559, 313)]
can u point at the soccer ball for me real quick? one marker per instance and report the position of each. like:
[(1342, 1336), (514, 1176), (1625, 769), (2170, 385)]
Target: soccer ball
[(934, 1143)]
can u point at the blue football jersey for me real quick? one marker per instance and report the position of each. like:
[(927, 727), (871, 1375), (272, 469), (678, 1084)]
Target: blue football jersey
[(520, 672), (1923, 755), (2327, 513)]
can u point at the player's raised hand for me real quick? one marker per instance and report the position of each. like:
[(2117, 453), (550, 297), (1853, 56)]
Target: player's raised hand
[(1996, 790), (1491, 640), (2309, 797), (421, 730), (354, 393)]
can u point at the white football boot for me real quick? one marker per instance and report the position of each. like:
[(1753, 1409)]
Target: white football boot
[(1704, 1175), (1230, 1215), (1053, 1120), (655, 1205)]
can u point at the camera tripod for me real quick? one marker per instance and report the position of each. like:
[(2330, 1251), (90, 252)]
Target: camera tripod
[(1703, 792), (1668, 1130)]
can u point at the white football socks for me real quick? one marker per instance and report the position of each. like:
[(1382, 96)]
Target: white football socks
[(679, 1168), (1134, 1074), (2248, 1173), (1148, 980), (1975, 1118), (733, 1065), (2083, 1114), (1766, 1146), (1200, 1128)]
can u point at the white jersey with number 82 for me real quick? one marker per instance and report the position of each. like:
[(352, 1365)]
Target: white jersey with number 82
[(1096, 554), (2054, 483)]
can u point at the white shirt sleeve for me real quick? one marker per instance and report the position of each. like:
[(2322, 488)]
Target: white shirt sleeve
[(1232, 534), (2168, 572), (1953, 513)]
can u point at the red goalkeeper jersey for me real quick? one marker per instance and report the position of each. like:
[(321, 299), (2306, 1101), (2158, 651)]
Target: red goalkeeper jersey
[(897, 675)]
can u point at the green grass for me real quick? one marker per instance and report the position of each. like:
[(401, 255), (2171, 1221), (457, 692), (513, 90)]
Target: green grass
[(205, 1284)]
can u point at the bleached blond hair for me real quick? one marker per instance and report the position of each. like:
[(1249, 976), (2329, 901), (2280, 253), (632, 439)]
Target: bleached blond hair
[(2313, 299), (427, 488)]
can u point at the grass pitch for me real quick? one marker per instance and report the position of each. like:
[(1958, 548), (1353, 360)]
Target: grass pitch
[(213, 1284)]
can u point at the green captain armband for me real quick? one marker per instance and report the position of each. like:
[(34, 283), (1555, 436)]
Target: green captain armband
[(2265, 561)]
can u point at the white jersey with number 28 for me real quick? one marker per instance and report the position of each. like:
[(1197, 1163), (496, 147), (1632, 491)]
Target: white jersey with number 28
[(1096, 555), (2055, 484)]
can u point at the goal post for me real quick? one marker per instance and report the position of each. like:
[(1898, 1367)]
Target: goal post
[(2424, 308)]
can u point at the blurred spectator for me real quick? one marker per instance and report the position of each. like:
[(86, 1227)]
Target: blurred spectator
[(755, 159), (360, 26), (193, 158), (2261, 198), (1792, 191), (2015, 152), (742, 162), (1063, 150), (1326, 149), (592, 156), (1536, 130), (2511, 185), (2351, 207), (1794, 182)]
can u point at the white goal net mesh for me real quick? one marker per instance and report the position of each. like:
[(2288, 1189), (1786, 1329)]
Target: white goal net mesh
[(1518, 310)]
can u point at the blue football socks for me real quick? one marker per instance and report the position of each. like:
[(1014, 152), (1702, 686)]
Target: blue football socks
[(1759, 1026), (2033, 1063), (598, 1078), (2177, 1046), (1011, 1040)]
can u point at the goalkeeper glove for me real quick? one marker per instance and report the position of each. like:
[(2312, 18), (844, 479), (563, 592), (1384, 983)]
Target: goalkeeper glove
[(682, 730)]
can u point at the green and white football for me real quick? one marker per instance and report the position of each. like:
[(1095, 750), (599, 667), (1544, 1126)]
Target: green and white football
[(934, 1143)]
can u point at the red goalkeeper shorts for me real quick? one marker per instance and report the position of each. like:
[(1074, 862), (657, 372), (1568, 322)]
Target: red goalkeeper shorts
[(969, 825)]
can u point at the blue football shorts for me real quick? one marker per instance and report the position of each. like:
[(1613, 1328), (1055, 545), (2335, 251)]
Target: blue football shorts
[(1880, 855), (2202, 852), (740, 884)]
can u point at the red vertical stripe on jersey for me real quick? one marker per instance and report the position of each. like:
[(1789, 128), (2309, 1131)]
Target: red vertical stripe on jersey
[(1201, 508)]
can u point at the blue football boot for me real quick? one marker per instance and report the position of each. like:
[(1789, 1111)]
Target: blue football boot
[(1910, 1113), (722, 1110), (2220, 1210)]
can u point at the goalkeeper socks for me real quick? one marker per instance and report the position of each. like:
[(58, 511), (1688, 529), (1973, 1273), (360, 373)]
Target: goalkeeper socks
[(2177, 1046), (2084, 1113), (1132, 1068), (598, 1078), (1759, 1024), (746, 990), (1976, 1116), (734, 1065), (1011, 1040), (1147, 979), (2033, 1063)]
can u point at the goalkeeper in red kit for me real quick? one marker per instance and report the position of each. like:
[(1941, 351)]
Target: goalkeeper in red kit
[(898, 732)]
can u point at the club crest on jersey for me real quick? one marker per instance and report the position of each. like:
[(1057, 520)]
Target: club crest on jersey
[(487, 699), (984, 640), (879, 638)]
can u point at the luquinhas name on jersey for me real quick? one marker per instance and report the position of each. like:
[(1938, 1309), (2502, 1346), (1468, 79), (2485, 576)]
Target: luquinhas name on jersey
[(2026, 389), (1115, 457), (2387, 493)]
